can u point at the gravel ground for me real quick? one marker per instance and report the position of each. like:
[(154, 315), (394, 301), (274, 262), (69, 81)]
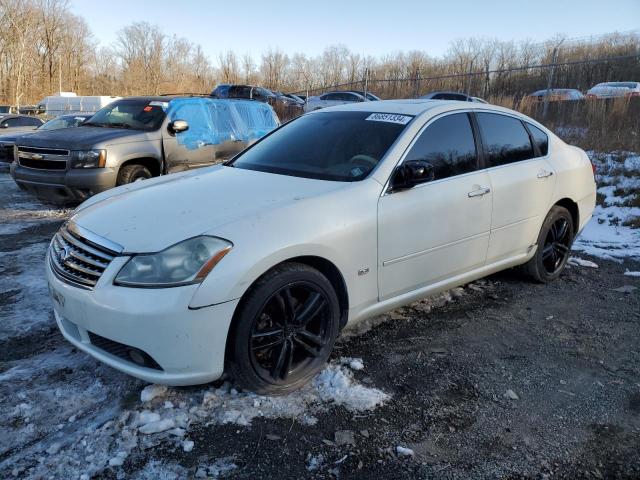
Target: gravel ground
[(500, 379)]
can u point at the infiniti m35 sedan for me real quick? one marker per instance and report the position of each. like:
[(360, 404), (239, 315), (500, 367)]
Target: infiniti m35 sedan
[(253, 267)]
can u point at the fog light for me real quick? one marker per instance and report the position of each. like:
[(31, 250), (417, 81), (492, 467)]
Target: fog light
[(137, 356)]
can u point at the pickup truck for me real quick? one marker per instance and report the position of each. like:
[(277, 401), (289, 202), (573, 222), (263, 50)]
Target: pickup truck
[(134, 139)]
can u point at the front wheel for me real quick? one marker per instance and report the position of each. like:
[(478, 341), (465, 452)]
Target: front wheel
[(284, 330), (554, 246), (132, 173)]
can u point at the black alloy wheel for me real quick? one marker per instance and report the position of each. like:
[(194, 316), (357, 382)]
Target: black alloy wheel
[(557, 246), (283, 330), (291, 332)]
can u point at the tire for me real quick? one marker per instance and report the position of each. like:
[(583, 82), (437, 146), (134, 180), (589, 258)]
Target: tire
[(271, 313), (552, 252), (132, 173)]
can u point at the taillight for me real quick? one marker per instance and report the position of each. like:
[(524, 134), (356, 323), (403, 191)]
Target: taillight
[(593, 167), (591, 95)]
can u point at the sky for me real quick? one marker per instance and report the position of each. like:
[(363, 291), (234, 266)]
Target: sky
[(365, 27)]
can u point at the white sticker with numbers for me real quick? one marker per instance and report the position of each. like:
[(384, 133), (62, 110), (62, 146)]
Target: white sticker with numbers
[(389, 117)]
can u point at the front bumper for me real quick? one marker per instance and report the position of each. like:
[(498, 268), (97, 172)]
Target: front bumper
[(187, 345), (64, 186)]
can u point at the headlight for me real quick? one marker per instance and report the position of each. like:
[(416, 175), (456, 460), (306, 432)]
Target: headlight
[(184, 263), (88, 158)]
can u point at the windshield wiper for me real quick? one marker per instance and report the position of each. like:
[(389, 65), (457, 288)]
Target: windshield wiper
[(120, 125)]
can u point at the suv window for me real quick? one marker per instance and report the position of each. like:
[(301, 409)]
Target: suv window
[(448, 145), (505, 139), (12, 122), (540, 139), (331, 96)]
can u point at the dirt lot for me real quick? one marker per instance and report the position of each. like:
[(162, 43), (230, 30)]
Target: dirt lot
[(500, 379)]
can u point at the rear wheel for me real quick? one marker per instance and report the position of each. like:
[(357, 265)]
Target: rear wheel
[(284, 330), (132, 173), (554, 246)]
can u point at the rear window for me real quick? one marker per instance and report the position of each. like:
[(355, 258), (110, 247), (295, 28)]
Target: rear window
[(339, 146), (505, 139), (540, 139)]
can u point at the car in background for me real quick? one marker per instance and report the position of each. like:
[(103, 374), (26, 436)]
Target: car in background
[(13, 123), (253, 267), (461, 97), (284, 106), (556, 95), (64, 121), (301, 97), (368, 95), (134, 139), (331, 99), (297, 98), (614, 90)]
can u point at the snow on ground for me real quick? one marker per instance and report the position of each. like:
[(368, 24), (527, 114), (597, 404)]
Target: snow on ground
[(609, 234), (581, 262)]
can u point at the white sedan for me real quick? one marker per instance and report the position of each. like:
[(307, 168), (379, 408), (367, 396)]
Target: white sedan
[(253, 267), (332, 99), (614, 90)]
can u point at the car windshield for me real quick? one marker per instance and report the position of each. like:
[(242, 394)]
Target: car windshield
[(136, 114), (62, 122), (339, 146)]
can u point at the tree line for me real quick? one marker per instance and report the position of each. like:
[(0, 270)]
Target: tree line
[(45, 48)]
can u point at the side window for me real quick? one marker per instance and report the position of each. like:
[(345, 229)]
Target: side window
[(13, 122), (505, 139), (448, 145), (32, 122), (540, 138)]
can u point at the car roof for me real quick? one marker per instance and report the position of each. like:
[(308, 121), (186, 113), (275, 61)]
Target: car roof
[(414, 106)]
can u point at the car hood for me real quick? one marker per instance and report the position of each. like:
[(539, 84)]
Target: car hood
[(152, 215), (12, 137), (79, 138)]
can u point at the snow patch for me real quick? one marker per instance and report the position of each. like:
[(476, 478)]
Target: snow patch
[(581, 262), (152, 391), (629, 273)]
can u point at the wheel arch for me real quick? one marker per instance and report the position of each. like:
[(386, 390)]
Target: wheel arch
[(153, 164), (573, 209)]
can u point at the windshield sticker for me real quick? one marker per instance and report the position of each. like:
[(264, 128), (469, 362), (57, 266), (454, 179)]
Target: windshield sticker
[(163, 105), (389, 117)]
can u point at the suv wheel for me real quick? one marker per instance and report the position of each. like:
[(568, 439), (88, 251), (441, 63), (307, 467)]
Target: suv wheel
[(554, 246), (284, 330), (132, 173)]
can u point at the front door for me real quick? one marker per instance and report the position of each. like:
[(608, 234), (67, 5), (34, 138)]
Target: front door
[(194, 147), (438, 229)]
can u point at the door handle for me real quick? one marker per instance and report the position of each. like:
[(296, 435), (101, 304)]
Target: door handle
[(479, 192), (544, 173)]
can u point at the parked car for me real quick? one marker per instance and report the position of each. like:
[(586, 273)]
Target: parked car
[(135, 139), (298, 98), (285, 107), (8, 141), (461, 97), (556, 95), (368, 95), (335, 217), (14, 123), (331, 99), (6, 109), (614, 89), (302, 97)]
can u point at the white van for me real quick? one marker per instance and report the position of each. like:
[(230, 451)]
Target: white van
[(65, 102)]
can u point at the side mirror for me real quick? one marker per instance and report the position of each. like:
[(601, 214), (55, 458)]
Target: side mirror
[(4, 125), (178, 126), (412, 173)]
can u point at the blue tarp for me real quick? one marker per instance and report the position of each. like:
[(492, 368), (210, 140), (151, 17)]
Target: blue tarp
[(215, 121)]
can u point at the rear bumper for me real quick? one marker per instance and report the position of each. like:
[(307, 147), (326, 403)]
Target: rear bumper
[(68, 186)]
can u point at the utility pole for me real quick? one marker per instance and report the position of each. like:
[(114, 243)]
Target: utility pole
[(552, 68), (366, 81), (416, 91), (60, 74)]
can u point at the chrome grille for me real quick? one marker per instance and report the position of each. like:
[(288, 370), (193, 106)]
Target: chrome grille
[(43, 158), (77, 260)]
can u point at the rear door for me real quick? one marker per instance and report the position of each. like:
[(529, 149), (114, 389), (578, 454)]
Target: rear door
[(438, 229), (522, 180)]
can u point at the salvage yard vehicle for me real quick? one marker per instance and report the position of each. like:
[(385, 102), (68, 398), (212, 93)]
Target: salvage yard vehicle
[(135, 139), (254, 266), (556, 95), (462, 97), (13, 123), (331, 99), (7, 142), (614, 90)]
